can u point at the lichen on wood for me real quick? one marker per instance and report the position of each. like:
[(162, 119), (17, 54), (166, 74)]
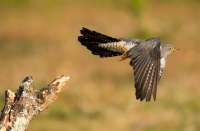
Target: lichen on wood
[(23, 106)]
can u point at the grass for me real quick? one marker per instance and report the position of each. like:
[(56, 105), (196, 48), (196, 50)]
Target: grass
[(40, 39)]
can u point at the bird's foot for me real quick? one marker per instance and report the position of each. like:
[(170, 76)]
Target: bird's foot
[(124, 56)]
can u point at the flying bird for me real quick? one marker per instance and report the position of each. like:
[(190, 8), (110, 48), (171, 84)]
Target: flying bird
[(148, 57)]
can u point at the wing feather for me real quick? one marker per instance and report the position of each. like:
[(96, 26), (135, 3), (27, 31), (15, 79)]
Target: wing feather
[(140, 67), (148, 81), (140, 81), (153, 82), (145, 59)]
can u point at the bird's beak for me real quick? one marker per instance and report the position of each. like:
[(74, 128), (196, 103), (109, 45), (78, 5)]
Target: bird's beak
[(176, 48)]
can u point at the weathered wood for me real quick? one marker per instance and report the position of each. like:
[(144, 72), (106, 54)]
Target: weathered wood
[(23, 106)]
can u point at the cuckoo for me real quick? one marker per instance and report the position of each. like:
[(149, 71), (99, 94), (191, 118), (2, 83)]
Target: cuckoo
[(148, 57)]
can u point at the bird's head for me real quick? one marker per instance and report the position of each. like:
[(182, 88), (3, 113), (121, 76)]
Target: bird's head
[(167, 49)]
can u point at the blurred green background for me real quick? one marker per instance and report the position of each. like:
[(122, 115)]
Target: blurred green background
[(39, 38)]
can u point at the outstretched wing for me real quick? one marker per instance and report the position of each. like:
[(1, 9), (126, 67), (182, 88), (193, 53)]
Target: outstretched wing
[(145, 59)]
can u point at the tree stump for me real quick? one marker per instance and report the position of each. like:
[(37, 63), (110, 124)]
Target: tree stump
[(23, 106)]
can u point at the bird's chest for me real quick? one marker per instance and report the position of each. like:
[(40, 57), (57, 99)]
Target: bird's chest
[(162, 62)]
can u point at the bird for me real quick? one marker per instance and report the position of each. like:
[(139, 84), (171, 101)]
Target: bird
[(148, 57)]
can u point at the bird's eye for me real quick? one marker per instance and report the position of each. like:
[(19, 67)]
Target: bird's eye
[(169, 48)]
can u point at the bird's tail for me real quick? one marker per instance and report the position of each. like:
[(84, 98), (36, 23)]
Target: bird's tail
[(92, 39)]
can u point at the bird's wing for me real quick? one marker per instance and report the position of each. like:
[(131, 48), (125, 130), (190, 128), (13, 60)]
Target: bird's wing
[(132, 40), (145, 59)]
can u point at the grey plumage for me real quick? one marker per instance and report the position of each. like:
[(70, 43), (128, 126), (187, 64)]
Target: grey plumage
[(165, 51), (131, 40), (148, 57), (145, 59)]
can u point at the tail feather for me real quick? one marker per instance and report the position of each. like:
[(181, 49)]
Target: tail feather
[(98, 37), (92, 39)]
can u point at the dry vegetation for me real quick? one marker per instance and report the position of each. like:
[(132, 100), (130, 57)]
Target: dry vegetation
[(40, 39)]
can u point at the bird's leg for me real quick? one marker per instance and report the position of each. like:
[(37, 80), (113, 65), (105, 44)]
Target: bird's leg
[(123, 57)]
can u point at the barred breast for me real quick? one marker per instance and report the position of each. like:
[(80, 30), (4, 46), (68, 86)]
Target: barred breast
[(129, 45)]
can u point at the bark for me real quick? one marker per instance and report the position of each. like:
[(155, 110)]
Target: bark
[(23, 106)]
